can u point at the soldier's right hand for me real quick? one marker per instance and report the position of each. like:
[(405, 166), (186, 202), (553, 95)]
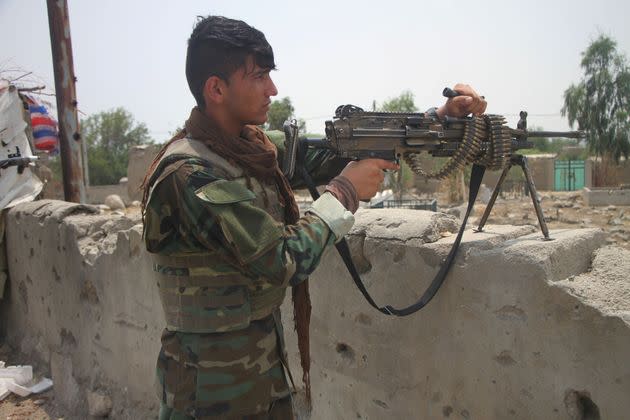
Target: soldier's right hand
[(366, 175)]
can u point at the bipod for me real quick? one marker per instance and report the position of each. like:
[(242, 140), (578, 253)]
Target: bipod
[(521, 161)]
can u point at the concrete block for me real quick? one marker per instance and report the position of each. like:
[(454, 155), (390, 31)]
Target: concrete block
[(140, 157), (602, 196)]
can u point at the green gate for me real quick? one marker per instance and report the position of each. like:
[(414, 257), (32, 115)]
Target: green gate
[(568, 175)]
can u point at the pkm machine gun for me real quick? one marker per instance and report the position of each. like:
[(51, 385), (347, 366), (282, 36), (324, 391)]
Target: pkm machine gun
[(484, 140)]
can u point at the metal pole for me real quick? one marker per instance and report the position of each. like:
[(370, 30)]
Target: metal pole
[(69, 136)]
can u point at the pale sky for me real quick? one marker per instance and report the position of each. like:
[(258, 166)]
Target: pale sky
[(520, 55)]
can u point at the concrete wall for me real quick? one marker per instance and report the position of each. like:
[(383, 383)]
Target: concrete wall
[(96, 194), (541, 166), (619, 173), (521, 328), (623, 172), (603, 196), (140, 157), (82, 301)]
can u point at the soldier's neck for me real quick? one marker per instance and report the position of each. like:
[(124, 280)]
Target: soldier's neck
[(224, 121)]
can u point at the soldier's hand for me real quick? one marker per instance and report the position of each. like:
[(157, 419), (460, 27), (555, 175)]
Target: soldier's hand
[(366, 175), (469, 102)]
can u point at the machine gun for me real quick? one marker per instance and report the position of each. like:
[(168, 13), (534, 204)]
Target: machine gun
[(17, 160), (484, 141)]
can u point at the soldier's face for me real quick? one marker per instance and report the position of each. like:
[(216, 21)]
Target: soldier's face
[(248, 94)]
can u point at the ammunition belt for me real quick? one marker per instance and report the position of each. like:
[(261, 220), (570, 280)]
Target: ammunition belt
[(486, 142)]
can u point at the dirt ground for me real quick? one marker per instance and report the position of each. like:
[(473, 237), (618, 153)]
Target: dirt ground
[(14, 408), (562, 210)]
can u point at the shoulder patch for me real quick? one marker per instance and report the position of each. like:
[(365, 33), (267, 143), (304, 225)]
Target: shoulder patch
[(224, 192)]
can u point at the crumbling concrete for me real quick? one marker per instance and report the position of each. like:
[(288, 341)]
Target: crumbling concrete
[(82, 300), (521, 329)]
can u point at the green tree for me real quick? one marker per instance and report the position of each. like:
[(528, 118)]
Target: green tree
[(401, 103), (279, 111), (600, 103), (109, 135)]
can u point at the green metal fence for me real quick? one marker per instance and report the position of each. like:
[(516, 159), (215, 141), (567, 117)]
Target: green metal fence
[(568, 175)]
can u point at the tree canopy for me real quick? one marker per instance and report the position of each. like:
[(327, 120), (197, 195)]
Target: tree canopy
[(401, 103), (600, 102), (109, 135), (279, 111)]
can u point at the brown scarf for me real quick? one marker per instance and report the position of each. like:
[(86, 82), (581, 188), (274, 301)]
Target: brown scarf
[(254, 152)]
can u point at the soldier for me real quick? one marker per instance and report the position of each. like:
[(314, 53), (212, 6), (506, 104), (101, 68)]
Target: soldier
[(222, 224)]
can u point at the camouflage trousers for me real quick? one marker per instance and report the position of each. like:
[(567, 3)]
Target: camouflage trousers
[(279, 410)]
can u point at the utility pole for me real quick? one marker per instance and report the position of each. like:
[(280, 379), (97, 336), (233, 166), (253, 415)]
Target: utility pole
[(69, 135)]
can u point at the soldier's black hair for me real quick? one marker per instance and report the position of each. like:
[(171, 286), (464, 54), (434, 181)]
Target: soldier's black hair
[(218, 46)]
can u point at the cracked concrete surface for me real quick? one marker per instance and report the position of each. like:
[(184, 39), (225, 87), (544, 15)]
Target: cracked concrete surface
[(522, 328), (606, 284)]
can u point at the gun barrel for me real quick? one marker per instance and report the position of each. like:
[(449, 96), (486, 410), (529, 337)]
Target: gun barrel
[(17, 161), (565, 134), (316, 143)]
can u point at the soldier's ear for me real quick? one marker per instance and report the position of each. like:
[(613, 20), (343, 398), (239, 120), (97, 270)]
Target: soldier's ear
[(214, 90)]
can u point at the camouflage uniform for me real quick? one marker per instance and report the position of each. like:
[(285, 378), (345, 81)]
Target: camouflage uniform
[(223, 258)]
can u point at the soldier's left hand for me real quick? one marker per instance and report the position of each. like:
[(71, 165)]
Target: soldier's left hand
[(469, 102)]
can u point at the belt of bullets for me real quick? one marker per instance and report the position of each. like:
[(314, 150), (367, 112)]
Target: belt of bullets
[(486, 141)]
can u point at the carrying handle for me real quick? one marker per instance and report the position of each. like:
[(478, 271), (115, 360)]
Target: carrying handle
[(291, 129)]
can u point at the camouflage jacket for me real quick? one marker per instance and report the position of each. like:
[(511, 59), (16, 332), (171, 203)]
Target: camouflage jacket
[(221, 352)]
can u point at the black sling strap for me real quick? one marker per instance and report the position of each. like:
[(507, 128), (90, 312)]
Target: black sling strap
[(344, 251)]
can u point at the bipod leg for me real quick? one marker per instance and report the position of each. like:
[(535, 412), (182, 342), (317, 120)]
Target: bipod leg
[(493, 198), (522, 162)]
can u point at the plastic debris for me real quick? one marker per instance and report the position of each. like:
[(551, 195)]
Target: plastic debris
[(20, 390), (18, 380), (44, 385)]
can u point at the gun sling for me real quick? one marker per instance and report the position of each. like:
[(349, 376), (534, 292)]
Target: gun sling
[(344, 251)]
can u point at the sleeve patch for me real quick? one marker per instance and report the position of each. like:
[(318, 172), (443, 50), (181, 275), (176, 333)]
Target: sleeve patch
[(224, 192), (248, 230)]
